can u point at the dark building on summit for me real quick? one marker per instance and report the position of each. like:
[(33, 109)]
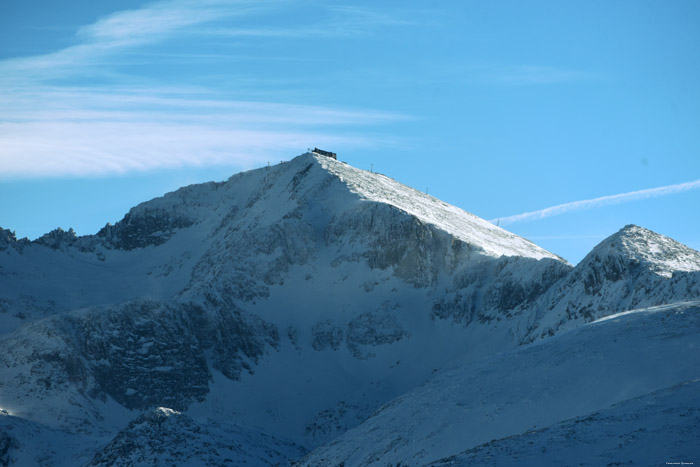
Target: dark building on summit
[(321, 152)]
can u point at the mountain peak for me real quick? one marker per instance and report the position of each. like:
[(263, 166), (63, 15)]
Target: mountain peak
[(376, 187), (659, 253)]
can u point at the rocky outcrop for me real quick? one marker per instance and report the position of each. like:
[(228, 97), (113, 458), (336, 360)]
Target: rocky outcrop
[(163, 436), (141, 354), (8, 239)]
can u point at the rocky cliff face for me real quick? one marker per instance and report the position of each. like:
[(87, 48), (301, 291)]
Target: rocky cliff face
[(163, 436), (297, 298), (139, 354)]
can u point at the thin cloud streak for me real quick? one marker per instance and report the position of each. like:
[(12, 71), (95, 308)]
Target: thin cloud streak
[(172, 104), (152, 22), (344, 21), (119, 31), (92, 131), (566, 237), (519, 75), (99, 42), (598, 202), (77, 149)]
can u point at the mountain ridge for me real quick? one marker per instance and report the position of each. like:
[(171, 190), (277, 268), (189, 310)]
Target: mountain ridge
[(369, 186), (295, 299)]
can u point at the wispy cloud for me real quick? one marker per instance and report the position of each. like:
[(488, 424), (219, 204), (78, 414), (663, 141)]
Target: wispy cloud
[(117, 131), (340, 20), (52, 125), (566, 237), (598, 202), (160, 20), (99, 148), (121, 30), (156, 20)]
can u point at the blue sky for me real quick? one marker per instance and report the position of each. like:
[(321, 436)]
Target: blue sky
[(499, 107)]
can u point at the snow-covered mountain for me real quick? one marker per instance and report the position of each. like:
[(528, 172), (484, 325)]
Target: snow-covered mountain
[(631, 269), (285, 305)]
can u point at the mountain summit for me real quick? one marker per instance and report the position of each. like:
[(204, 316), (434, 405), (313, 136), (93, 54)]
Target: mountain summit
[(460, 224), (633, 268), (346, 285), (651, 251)]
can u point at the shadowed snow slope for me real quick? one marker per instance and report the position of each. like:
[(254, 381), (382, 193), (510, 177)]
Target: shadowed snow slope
[(654, 429), (574, 374)]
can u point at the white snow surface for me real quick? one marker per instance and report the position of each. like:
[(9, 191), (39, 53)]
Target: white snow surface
[(654, 429), (574, 374), (465, 226), (166, 437)]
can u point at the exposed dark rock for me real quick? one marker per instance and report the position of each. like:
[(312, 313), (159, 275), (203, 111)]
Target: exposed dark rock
[(369, 330), (163, 436), (326, 334)]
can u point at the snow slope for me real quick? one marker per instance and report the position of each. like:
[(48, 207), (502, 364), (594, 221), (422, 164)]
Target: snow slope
[(574, 374), (654, 429), (460, 224), (27, 443), (291, 301)]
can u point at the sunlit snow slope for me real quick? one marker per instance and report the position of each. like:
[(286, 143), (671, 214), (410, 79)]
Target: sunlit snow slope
[(453, 220)]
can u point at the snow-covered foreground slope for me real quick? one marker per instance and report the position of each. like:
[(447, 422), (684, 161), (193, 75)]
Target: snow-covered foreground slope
[(27, 443), (291, 301), (576, 373), (659, 428)]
